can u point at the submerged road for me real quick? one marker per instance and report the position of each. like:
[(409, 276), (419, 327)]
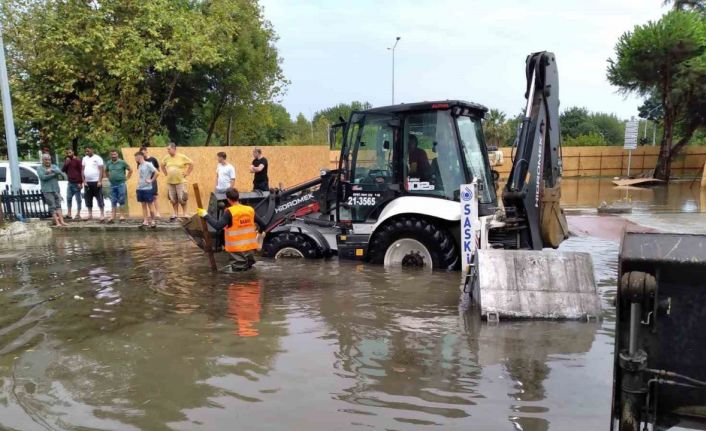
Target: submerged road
[(109, 332)]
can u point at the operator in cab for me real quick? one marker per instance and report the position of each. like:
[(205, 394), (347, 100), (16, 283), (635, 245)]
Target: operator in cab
[(240, 225), (419, 166)]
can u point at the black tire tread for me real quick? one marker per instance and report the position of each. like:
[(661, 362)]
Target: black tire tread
[(276, 242), (438, 241)]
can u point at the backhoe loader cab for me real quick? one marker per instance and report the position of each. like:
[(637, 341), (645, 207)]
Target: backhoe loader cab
[(400, 171), (419, 150)]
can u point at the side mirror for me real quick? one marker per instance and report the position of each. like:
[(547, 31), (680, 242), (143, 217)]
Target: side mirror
[(386, 145), (331, 138)]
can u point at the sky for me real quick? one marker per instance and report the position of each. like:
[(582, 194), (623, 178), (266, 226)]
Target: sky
[(334, 52)]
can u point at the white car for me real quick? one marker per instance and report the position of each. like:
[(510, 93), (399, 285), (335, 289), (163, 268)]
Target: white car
[(29, 181)]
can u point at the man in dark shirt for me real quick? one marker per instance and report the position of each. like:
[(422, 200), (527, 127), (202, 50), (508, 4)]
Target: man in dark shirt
[(72, 168), (155, 188), (259, 168), (419, 166)]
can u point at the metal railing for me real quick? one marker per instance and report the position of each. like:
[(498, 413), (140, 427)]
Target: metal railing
[(22, 205)]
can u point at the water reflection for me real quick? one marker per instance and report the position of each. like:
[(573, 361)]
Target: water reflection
[(244, 307), (134, 332), (677, 196)]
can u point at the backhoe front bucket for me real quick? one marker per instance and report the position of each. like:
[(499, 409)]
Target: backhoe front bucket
[(524, 284)]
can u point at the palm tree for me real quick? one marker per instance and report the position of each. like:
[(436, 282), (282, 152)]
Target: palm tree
[(497, 129)]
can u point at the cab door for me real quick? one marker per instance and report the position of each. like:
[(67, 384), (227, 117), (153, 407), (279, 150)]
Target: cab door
[(375, 175)]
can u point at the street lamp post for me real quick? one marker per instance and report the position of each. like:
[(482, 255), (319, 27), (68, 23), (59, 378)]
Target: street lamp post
[(393, 67), (654, 124), (9, 122)]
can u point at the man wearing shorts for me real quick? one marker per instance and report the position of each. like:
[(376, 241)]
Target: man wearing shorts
[(92, 171), (146, 176), (176, 167), (155, 189), (49, 176), (115, 170)]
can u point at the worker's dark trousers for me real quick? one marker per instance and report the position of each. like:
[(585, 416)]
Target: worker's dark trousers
[(242, 261)]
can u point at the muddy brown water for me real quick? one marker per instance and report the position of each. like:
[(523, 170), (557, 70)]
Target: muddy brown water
[(121, 331), (685, 196), (133, 332)]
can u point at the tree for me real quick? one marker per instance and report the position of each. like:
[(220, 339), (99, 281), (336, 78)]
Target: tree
[(303, 130), (694, 5), (116, 72), (576, 121), (249, 73), (496, 128), (666, 59), (342, 110)]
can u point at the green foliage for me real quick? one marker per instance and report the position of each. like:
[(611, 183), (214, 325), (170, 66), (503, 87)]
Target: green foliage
[(342, 110), (496, 127), (666, 59), (117, 72), (590, 140)]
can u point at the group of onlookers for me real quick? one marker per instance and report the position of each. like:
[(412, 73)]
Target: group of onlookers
[(87, 174)]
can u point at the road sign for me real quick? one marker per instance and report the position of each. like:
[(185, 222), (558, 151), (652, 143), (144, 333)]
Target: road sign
[(631, 134), (632, 130)]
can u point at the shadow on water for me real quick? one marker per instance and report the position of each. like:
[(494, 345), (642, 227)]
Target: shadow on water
[(134, 332)]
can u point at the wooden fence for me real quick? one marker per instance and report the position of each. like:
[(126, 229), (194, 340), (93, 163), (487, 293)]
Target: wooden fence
[(607, 161), (288, 165), (22, 205)]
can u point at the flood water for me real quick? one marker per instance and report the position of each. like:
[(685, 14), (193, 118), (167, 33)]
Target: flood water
[(684, 196), (132, 332)]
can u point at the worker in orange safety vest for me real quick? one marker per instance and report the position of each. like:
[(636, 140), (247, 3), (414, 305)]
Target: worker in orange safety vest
[(240, 225)]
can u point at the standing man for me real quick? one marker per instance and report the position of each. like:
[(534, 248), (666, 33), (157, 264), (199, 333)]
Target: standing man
[(155, 188), (115, 171), (146, 176), (225, 174), (177, 167), (259, 168), (49, 177), (72, 168), (92, 165), (240, 226)]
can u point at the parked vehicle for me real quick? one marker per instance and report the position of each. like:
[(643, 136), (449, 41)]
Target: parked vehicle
[(29, 180)]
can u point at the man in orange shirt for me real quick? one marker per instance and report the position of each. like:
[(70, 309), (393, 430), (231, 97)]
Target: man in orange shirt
[(240, 225)]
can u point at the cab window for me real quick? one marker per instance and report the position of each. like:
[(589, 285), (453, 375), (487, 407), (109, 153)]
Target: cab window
[(374, 160), (431, 154), (471, 136)]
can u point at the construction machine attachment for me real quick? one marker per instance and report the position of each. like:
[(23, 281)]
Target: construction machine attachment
[(533, 282), (659, 379), (528, 284)]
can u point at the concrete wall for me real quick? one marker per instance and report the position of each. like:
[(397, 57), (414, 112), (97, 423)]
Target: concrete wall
[(608, 161), (287, 165)]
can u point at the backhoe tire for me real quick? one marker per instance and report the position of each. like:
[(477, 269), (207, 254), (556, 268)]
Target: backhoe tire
[(437, 241), (290, 244)]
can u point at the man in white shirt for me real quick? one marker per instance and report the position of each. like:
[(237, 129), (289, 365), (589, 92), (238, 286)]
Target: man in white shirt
[(225, 174), (92, 172)]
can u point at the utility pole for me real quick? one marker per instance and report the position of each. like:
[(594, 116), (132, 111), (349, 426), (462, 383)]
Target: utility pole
[(9, 122), (393, 67)]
